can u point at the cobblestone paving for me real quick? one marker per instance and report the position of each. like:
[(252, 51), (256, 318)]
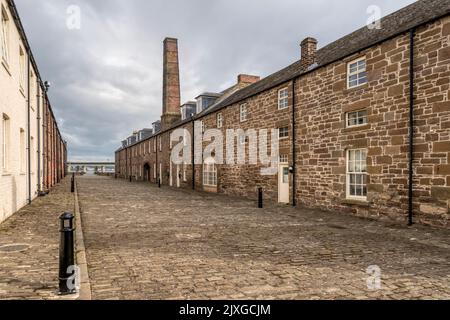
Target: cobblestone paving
[(33, 272), (148, 243)]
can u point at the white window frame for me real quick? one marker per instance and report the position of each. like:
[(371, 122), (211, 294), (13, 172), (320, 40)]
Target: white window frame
[(6, 135), (361, 172), (284, 159), (283, 99), (356, 72), (32, 156), (279, 133), (219, 121), (358, 116), (203, 126), (210, 173), (22, 151), (155, 170), (21, 68), (243, 112), (160, 143), (5, 34)]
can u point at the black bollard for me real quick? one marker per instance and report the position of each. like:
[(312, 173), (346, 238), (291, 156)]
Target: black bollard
[(159, 183), (66, 255), (72, 187), (260, 198), (130, 178)]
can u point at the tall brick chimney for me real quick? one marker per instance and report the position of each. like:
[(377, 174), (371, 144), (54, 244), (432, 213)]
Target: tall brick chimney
[(171, 84), (309, 52)]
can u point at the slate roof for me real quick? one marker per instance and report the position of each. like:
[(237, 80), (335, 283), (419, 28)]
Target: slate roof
[(414, 15)]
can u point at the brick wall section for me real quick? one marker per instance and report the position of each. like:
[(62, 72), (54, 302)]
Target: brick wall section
[(322, 100)]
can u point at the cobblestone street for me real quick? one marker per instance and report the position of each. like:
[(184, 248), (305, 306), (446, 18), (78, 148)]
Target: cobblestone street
[(29, 247), (148, 243)]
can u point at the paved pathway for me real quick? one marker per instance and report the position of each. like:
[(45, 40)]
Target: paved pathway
[(32, 272), (148, 243)]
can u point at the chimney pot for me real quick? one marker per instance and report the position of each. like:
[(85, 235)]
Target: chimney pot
[(308, 52)]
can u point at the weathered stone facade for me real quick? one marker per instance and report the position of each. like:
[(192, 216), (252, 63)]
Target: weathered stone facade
[(321, 100)]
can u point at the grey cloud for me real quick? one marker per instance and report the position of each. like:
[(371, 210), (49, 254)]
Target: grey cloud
[(107, 77)]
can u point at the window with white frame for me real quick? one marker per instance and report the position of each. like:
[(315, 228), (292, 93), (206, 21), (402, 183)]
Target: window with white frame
[(184, 172), (160, 143), (154, 170), (32, 155), (284, 158), (356, 73), (203, 126), (283, 98), (357, 174), (209, 173), (243, 113), (5, 35), (356, 118), (22, 151), (21, 68), (5, 142), (154, 145), (219, 121), (283, 132)]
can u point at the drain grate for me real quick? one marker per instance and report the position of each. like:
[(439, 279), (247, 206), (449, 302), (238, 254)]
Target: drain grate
[(14, 248)]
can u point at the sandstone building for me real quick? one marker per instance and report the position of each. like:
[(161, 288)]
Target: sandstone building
[(32, 152), (364, 124)]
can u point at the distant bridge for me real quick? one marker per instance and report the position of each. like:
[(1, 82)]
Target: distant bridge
[(93, 167)]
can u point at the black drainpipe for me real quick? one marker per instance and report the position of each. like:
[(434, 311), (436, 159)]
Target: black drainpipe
[(294, 161), (193, 153), (411, 128), (29, 127)]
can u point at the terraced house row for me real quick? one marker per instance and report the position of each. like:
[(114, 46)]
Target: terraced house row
[(364, 124), (33, 153)]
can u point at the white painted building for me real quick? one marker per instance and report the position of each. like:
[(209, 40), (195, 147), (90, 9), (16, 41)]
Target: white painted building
[(22, 104)]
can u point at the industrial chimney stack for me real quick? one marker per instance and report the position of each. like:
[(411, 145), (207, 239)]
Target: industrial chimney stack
[(171, 84)]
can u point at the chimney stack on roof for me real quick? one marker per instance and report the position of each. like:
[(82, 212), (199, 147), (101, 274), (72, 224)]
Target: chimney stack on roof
[(171, 83), (308, 52), (247, 79)]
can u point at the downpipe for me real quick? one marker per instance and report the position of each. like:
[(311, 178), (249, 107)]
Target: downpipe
[(411, 129)]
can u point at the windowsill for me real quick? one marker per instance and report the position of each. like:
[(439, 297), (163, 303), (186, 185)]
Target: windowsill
[(6, 66), (361, 86), (357, 128), (357, 202), (6, 174), (283, 109)]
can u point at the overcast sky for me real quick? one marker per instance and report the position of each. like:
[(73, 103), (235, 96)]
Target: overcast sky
[(107, 76)]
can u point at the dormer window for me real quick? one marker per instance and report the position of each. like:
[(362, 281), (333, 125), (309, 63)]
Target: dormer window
[(206, 100)]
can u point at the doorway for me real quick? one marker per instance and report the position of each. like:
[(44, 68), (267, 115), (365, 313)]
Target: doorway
[(146, 174), (283, 183)]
